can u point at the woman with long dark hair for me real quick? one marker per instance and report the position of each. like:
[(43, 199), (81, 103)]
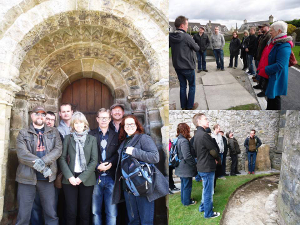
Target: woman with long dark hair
[(234, 48), (186, 169), (140, 146)]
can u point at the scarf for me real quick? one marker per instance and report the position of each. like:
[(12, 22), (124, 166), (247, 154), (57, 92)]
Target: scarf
[(80, 141), (264, 61)]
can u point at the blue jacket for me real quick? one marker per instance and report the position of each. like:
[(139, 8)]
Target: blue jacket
[(278, 68)]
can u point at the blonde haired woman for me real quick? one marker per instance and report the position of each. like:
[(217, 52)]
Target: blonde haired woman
[(78, 162)]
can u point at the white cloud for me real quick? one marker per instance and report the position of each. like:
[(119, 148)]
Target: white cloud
[(229, 12)]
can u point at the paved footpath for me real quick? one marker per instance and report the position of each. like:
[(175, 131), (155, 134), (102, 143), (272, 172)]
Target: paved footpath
[(216, 90)]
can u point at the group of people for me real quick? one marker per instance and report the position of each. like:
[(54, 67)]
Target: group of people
[(270, 51), (205, 155), (70, 174)]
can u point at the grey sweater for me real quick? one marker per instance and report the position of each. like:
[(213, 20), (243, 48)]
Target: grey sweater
[(217, 41)]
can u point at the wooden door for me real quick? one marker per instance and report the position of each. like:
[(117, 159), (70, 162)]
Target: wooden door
[(88, 96)]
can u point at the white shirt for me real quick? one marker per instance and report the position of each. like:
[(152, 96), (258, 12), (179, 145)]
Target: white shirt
[(219, 140)]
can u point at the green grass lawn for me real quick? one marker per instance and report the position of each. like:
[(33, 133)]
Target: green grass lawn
[(296, 51), (246, 107), (226, 49), (179, 214)]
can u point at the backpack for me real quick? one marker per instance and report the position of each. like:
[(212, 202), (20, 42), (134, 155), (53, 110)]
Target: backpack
[(173, 154), (138, 175)]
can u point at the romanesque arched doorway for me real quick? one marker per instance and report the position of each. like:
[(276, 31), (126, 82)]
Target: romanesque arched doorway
[(88, 95)]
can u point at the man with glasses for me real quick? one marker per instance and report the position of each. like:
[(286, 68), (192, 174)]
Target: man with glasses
[(117, 113), (108, 144), (50, 119), (38, 148)]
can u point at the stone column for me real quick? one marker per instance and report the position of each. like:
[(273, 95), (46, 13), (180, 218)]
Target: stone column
[(7, 93), (288, 202)]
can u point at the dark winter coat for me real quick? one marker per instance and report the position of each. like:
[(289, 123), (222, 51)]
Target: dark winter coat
[(187, 165), (183, 47), (244, 46), (234, 148), (251, 43), (144, 150), (202, 41), (256, 45), (262, 44), (257, 142), (26, 152), (206, 151), (234, 46)]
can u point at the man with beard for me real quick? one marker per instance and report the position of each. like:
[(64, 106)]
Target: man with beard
[(263, 82), (117, 114), (38, 148), (65, 113), (203, 41)]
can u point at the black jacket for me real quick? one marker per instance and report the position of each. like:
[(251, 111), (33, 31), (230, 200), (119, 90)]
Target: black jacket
[(262, 44), (111, 150), (251, 43), (182, 47), (234, 46), (225, 147), (202, 41), (206, 151), (244, 46), (144, 150), (234, 147), (187, 165)]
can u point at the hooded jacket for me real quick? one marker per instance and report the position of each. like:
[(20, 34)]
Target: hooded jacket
[(182, 47)]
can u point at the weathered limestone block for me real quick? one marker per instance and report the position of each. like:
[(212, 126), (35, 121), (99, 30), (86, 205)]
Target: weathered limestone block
[(263, 162)]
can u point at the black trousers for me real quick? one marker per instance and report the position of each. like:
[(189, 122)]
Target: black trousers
[(171, 181), (274, 104), (234, 163), (80, 196)]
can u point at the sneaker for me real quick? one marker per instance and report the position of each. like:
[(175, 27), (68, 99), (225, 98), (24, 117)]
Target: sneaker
[(234, 67), (196, 104), (237, 172), (229, 66), (232, 174), (225, 175), (222, 178), (193, 202), (257, 86), (198, 71), (261, 94), (253, 173), (175, 189), (215, 215), (205, 70), (171, 192), (249, 172)]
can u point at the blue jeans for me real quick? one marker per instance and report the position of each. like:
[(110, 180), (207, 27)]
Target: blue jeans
[(201, 60), (140, 210), (186, 190), (251, 162), (183, 77), (219, 55), (103, 192), (250, 63), (206, 205), (37, 215), (198, 177)]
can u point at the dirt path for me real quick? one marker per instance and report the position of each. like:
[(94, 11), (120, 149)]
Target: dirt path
[(247, 206)]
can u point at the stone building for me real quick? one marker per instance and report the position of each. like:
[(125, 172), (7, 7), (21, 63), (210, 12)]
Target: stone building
[(269, 127), (88, 52), (194, 26), (247, 25)]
